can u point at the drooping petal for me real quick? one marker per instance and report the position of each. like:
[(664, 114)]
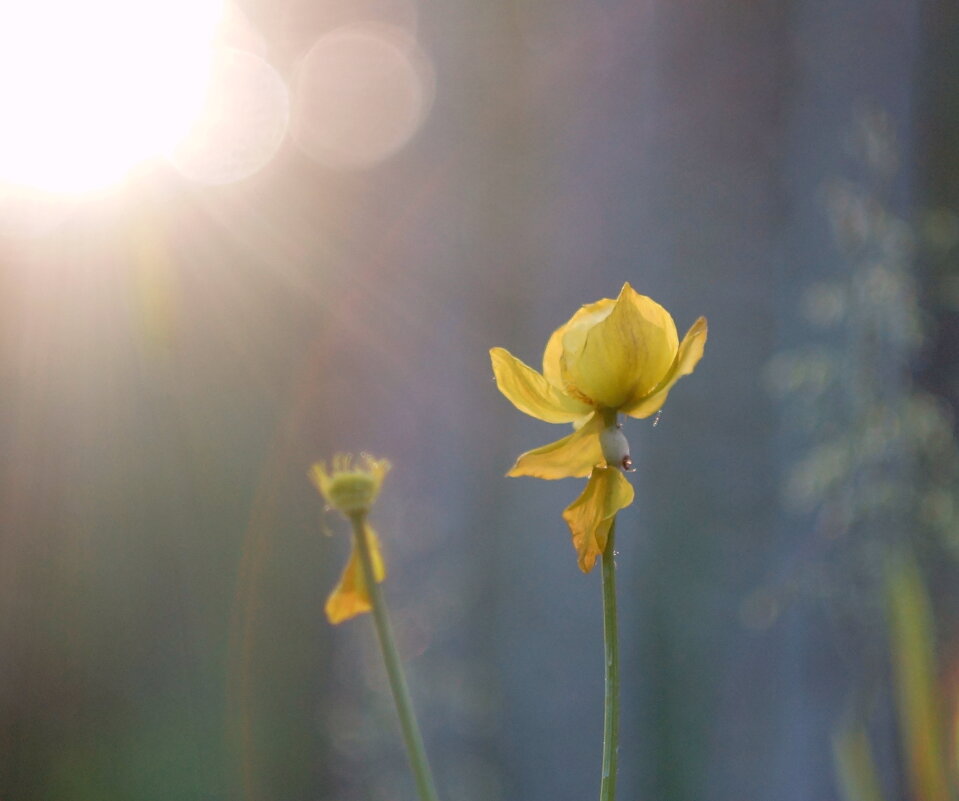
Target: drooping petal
[(630, 350), (529, 392), (570, 457), (351, 595), (590, 516), (690, 352), (585, 318)]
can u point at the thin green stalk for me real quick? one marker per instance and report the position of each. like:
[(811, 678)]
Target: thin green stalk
[(401, 694), (607, 786)]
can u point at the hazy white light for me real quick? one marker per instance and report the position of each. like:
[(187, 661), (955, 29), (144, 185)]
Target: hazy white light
[(362, 92), (27, 213), (243, 122), (91, 89)]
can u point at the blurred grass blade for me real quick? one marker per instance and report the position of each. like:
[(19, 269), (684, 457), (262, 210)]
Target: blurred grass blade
[(858, 778), (954, 745), (913, 656)]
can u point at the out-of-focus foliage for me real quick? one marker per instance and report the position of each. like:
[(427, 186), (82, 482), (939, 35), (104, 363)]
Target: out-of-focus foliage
[(879, 473), (878, 465)]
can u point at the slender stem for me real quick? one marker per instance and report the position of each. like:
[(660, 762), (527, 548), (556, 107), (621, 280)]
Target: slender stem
[(401, 694), (607, 787)]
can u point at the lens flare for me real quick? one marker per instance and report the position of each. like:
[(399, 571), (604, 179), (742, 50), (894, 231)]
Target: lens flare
[(362, 92)]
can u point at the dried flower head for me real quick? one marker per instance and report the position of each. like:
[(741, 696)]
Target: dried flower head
[(352, 490)]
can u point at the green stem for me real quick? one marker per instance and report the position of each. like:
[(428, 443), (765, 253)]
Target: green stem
[(607, 787), (401, 694)]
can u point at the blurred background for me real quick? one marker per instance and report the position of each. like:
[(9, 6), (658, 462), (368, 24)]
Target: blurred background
[(235, 239)]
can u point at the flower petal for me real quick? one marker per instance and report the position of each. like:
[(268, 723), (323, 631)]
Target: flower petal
[(585, 318), (351, 595), (629, 351), (690, 352), (570, 457), (529, 392), (590, 516)]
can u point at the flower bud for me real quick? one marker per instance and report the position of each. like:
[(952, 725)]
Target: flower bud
[(615, 447)]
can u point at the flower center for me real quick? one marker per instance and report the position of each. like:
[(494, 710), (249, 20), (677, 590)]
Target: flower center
[(352, 492)]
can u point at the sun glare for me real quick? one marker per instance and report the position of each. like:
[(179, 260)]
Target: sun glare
[(91, 90)]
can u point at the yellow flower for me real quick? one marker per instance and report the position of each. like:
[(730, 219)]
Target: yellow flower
[(352, 490), (611, 356)]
